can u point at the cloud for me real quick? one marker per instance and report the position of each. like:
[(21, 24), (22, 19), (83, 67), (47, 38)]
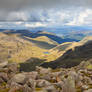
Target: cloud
[(13, 7), (38, 24), (37, 13), (22, 4), (17, 16), (83, 18), (49, 18)]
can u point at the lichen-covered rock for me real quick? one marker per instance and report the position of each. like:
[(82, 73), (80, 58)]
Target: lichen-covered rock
[(14, 87), (4, 76), (43, 70), (69, 85), (19, 78), (42, 83), (32, 75), (45, 80), (26, 88), (31, 83), (89, 90), (13, 67), (3, 64), (50, 89)]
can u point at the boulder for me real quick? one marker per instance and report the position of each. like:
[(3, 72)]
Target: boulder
[(13, 67), (19, 78), (14, 87), (3, 64), (26, 88), (1, 81), (4, 76), (43, 70), (42, 83), (50, 89), (31, 83), (89, 90), (32, 75), (69, 85)]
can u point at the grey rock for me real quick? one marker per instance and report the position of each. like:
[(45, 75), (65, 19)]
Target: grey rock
[(68, 85), (26, 88), (42, 83), (4, 76), (89, 90), (19, 78), (13, 67), (31, 83), (3, 64), (15, 87), (43, 70), (32, 75), (50, 89)]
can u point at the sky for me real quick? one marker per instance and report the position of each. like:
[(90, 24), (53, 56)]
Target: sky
[(43, 13)]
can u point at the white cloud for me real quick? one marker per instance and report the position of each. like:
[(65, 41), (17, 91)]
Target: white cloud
[(52, 17), (18, 23), (83, 18), (38, 24)]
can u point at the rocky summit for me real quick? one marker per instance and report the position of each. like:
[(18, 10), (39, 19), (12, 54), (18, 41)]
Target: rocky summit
[(75, 79)]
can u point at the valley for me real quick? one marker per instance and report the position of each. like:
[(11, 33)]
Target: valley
[(42, 61)]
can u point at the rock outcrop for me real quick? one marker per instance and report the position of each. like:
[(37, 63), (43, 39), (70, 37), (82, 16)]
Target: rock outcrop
[(75, 79)]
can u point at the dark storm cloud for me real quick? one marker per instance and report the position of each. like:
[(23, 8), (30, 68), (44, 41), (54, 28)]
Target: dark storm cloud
[(20, 4), (9, 6)]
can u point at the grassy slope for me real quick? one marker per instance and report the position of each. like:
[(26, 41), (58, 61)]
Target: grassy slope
[(59, 50), (17, 49), (78, 52)]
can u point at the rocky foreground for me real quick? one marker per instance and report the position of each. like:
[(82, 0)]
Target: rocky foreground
[(76, 79)]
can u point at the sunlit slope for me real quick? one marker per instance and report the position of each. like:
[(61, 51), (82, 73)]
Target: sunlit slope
[(16, 49), (78, 52), (59, 50), (46, 39), (42, 42)]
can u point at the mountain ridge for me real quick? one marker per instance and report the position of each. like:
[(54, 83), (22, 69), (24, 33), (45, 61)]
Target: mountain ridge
[(82, 51)]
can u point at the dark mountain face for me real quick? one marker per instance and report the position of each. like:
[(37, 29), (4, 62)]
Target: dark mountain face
[(40, 33), (72, 57)]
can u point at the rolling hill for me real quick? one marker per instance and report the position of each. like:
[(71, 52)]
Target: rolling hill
[(14, 48), (81, 51), (50, 35), (23, 45)]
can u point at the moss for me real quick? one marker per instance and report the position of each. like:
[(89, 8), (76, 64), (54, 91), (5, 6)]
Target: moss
[(89, 66), (38, 89), (4, 90), (19, 90), (56, 70), (3, 84)]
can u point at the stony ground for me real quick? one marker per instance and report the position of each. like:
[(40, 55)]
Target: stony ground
[(76, 79)]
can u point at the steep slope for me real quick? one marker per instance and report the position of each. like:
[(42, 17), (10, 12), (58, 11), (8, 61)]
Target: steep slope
[(57, 51), (82, 51)]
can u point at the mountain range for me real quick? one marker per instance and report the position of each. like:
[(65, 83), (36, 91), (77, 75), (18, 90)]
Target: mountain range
[(29, 48)]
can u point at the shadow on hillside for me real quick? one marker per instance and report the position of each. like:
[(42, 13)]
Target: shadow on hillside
[(30, 65), (41, 44), (71, 57), (38, 34)]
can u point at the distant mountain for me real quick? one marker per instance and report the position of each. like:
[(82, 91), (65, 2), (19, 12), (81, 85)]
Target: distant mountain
[(73, 32), (81, 51), (41, 33)]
